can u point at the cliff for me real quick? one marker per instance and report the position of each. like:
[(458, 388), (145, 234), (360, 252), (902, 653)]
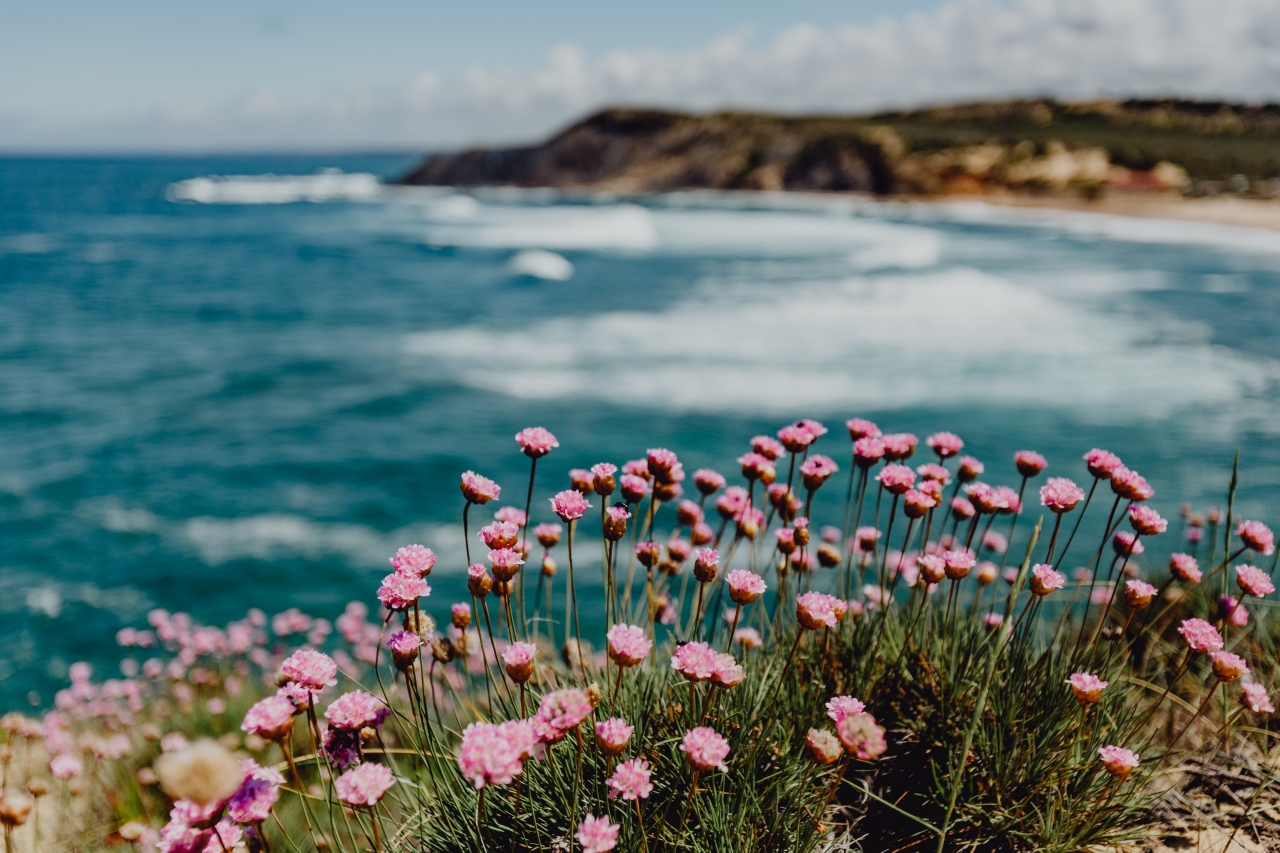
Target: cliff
[(1027, 147)]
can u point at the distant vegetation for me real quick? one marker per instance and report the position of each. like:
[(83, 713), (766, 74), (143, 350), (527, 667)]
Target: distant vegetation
[(1032, 146)]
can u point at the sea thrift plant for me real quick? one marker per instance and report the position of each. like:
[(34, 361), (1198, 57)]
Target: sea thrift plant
[(508, 716)]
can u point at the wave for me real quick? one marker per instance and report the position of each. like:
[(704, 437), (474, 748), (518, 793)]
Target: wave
[(277, 536), (537, 263), (951, 337), (326, 185)]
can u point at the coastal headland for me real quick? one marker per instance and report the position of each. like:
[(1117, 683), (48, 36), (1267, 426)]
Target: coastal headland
[(1209, 161)]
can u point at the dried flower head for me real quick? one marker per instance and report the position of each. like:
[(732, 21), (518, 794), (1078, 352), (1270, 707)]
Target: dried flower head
[(204, 772)]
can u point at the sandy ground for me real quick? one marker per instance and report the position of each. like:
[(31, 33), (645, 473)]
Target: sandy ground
[(1224, 210)]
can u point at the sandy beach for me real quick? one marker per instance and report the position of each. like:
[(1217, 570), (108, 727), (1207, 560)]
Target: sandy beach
[(1223, 210)]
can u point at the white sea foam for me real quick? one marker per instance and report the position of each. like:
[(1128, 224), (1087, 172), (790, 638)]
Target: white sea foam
[(954, 336), (539, 263), (625, 227), (275, 536), (326, 185)]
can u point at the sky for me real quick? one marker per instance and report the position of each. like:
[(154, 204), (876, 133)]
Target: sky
[(155, 76)]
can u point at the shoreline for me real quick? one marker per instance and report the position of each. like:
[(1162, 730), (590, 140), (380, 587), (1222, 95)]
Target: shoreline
[(1220, 210)]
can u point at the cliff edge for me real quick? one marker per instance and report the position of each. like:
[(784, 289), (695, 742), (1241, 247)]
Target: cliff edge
[(1021, 147)]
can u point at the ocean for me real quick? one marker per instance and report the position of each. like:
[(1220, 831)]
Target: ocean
[(229, 382)]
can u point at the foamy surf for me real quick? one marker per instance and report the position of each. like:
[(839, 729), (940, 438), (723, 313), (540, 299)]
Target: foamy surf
[(863, 343), (537, 263), (327, 185)]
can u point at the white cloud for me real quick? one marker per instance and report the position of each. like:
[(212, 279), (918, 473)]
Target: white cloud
[(964, 49)]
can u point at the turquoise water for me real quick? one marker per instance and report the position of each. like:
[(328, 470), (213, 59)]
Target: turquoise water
[(216, 395)]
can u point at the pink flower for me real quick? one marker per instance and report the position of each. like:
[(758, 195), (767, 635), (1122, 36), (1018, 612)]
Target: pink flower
[(1102, 463), (548, 534), (364, 784), (815, 428), (633, 488), (414, 560), (630, 780), (518, 660), (748, 638), (400, 592), (1228, 667), (500, 534), (1060, 494), (708, 481), (582, 480), (993, 541), (479, 490), (817, 610), (756, 466), (745, 587), (969, 469), (356, 710), (987, 572), (310, 669), (1146, 520), (1200, 635), (795, 438), (706, 564), (404, 646), (932, 567), (506, 562), (561, 712), (915, 504), (536, 442), (628, 645), (1087, 687), (1126, 544), (597, 834), (1233, 611), (569, 505), (1254, 697), (1139, 593), (896, 478), (1257, 537), (860, 735), (959, 563), (1254, 581), (1120, 762), (705, 749), (932, 471), (727, 672), (767, 446), (1029, 463), (986, 499), (487, 756), (945, 444), (511, 514), (1012, 503), (257, 794), (688, 513), (1185, 568), (270, 719), (1130, 485), (839, 707), (613, 735), (823, 746), (861, 428), (696, 661), (65, 766), (899, 446), (660, 462), (1045, 580), (816, 469), (961, 508), (868, 451)]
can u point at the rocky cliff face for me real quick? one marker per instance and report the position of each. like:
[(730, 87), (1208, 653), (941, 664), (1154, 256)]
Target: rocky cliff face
[(642, 151), (1023, 147)]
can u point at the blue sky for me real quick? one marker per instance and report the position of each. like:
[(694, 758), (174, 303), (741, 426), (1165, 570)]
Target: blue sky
[(280, 74)]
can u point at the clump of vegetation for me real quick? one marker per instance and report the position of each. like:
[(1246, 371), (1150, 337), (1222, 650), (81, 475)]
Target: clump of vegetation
[(924, 672)]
